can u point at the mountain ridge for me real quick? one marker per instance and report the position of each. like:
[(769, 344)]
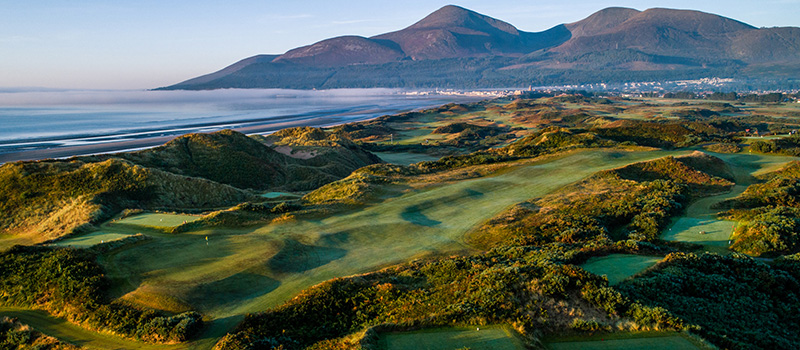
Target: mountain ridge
[(482, 51)]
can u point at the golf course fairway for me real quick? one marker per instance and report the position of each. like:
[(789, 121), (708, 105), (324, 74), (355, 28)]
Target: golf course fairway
[(700, 224), (618, 267), (228, 272), (674, 342), (475, 338)]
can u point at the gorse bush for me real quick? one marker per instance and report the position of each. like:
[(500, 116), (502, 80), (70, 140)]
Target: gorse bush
[(69, 283), (768, 214), (14, 335), (517, 286), (737, 302)]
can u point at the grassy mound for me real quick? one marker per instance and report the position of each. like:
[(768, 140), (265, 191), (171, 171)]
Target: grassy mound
[(723, 148), (694, 171), (232, 158), (663, 134), (226, 157), (708, 164), (55, 198)]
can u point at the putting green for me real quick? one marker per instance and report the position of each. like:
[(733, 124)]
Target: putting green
[(158, 220), (704, 231), (273, 195), (618, 267), (674, 342), (404, 158), (477, 338), (71, 333), (90, 239)]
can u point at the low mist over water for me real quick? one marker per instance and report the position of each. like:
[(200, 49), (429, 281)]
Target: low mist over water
[(45, 119)]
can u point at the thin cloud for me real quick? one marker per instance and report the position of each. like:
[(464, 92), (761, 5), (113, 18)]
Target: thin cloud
[(18, 39)]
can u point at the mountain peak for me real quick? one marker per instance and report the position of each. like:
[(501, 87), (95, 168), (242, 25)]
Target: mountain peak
[(601, 21), (452, 16)]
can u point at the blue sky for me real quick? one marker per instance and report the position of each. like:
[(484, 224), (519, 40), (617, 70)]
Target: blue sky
[(144, 44)]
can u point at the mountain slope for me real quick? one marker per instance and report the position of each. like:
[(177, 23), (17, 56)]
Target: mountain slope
[(662, 31), (456, 47), (343, 51)]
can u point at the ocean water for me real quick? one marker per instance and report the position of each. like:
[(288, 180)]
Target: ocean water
[(35, 120)]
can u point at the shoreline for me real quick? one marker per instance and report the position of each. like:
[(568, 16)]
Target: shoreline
[(155, 141), (325, 115)]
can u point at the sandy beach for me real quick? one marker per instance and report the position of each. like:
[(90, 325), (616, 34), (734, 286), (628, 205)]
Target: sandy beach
[(147, 142)]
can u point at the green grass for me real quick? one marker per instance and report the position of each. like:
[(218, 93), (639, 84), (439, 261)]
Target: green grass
[(8, 241), (88, 240), (707, 232), (618, 267), (273, 195), (71, 333), (251, 269), (488, 337), (158, 220), (637, 341), (404, 158)]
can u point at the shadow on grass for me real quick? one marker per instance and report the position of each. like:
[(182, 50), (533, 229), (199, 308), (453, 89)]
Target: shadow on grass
[(296, 257), (214, 330), (233, 289), (414, 215)]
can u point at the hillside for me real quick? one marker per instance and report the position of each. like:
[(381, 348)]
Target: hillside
[(52, 198), (457, 47), (232, 158)]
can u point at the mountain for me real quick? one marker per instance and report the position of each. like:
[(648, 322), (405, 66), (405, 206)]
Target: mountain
[(456, 47), (454, 32)]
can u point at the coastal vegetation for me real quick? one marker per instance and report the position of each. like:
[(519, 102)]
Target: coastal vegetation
[(768, 213), (70, 284), (305, 239)]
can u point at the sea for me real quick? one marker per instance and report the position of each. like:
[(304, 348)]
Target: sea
[(47, 119)]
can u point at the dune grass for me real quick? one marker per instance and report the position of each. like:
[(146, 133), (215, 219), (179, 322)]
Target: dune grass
[(158, 220), (74, 334), (618, 267), (475, 338)]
